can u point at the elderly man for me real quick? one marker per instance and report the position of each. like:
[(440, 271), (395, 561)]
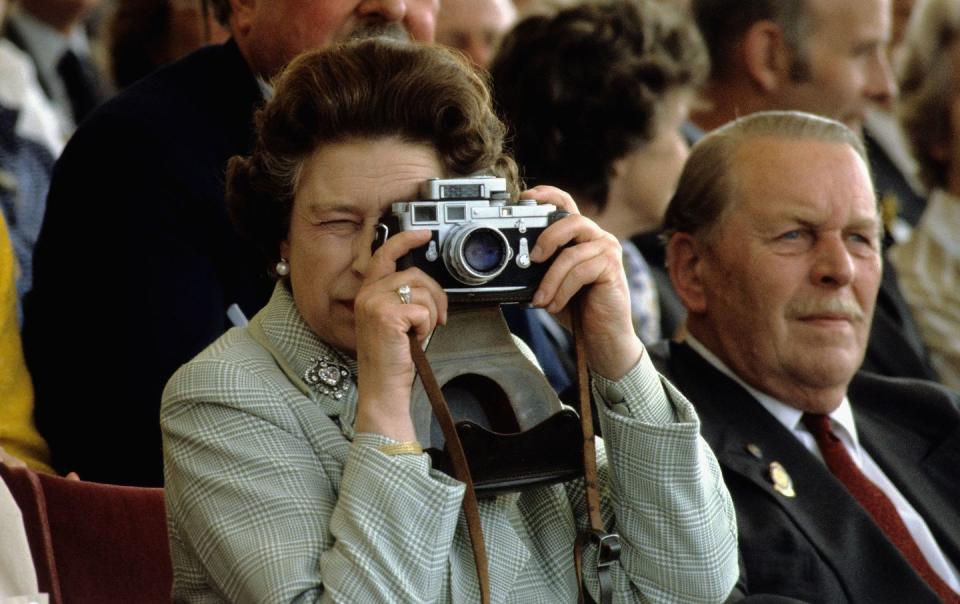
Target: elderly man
[(844, 482), (137, 202), (827, 57), (475, 27)]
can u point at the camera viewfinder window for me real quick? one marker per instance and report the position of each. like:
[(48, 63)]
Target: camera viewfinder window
[(456, 213), (424, 214), (461, 191)]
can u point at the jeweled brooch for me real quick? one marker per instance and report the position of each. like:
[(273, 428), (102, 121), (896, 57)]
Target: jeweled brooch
[(328, 377)]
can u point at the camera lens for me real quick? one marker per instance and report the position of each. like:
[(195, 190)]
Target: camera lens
[(476, 254), (483, 250)]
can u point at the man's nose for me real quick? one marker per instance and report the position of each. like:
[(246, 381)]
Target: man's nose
[(881, 87), (389, 10), (834, 264), (419, 17)]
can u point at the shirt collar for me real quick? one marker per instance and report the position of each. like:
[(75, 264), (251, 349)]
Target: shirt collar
[(46, 44), (790, 417)]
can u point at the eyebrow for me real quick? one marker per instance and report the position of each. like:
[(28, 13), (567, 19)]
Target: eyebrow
[(317, 208)]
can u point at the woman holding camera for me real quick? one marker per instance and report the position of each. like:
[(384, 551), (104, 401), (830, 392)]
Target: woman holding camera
[(292, 471)]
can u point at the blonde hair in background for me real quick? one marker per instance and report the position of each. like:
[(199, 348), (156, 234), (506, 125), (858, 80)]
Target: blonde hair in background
[(927, 83)]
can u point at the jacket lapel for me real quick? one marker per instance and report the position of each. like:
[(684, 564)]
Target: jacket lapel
[(734, 423), (915, 441)]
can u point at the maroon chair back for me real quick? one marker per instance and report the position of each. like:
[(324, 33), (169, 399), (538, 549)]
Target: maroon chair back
[(94, 542)]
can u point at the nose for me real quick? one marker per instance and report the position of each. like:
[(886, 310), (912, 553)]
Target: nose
[(361, 249), (833, 264), (419, 17), (389, 10), (881, 88)]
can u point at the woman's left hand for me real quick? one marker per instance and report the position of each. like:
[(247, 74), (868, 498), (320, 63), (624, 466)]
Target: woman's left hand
[(592, 263)]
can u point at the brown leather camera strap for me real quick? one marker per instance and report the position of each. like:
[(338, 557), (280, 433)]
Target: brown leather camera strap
[(608, 544), (458, 459)]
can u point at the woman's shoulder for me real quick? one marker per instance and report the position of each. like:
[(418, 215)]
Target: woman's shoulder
[(232, 365)]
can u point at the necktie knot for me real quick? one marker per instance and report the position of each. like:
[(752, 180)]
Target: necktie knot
[(819, 425)]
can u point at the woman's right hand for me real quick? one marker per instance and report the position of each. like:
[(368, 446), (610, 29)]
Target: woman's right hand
[(385, 367)]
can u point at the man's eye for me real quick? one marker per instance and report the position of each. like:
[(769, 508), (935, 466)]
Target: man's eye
[(792, 235)]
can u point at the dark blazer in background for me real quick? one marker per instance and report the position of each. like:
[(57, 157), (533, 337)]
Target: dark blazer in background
[(821, 546), (137, 262)]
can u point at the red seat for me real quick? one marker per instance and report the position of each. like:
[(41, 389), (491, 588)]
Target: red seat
[(94, 542)]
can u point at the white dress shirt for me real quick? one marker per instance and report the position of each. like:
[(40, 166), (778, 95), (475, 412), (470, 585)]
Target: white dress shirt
[(844, 426), (47, 46)]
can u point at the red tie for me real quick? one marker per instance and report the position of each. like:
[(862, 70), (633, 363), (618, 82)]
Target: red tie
[(873, 500)]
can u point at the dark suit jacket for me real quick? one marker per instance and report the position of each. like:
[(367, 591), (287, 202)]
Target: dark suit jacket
[(137, 262), (821, 546)]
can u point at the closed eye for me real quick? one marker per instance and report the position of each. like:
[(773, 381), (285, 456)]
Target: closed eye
[(339, 227)]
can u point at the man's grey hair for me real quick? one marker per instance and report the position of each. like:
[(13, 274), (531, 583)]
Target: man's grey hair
[(928, 85), (704, 195), (723, 23)]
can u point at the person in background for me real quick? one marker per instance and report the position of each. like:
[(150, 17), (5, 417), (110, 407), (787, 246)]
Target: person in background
[(827, 57), (18, 578), (21, 115), (475, 27), (895, 173), (595, 96), (328, 492), (928, 264), (52, 33), (147, 34), (138, 196), (20, 444), (844, 481)]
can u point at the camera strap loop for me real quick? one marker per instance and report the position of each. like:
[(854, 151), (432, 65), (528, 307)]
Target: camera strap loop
[(458, 458), (608, 544)]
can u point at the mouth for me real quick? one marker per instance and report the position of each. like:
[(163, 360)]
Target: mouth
[(828, 321)]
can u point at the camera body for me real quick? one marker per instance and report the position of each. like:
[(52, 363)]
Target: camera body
[(480, 245)]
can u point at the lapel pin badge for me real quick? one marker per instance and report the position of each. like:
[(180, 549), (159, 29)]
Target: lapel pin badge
[(782, 483)]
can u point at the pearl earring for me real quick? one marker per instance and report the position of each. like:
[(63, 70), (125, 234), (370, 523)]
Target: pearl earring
[(283, 267)]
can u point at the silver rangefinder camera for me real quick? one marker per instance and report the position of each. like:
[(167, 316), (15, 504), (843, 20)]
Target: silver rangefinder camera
[(481, 243)]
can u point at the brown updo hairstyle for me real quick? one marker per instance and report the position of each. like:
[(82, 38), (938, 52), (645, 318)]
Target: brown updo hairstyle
[(364, 89)]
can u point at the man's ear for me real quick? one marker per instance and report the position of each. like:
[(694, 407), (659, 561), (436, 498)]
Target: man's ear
[(766, 56), (685, 264), (241, 16)]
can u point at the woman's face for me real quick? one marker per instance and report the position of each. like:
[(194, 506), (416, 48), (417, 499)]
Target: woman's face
[(644, 180), (343, 191)]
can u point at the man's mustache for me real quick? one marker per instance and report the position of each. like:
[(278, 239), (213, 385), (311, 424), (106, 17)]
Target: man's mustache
[(378, 28), (835, 307)]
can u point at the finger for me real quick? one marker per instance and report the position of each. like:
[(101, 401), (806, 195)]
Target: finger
[(422, 296), (548, 194), (606, 249), (415, 277), (585, 273), (384, 260), (572, 229)]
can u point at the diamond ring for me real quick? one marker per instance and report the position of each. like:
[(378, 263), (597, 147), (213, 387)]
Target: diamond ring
[(404, 292)]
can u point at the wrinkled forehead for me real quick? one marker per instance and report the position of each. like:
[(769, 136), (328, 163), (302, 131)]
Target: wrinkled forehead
[(768, 170)]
